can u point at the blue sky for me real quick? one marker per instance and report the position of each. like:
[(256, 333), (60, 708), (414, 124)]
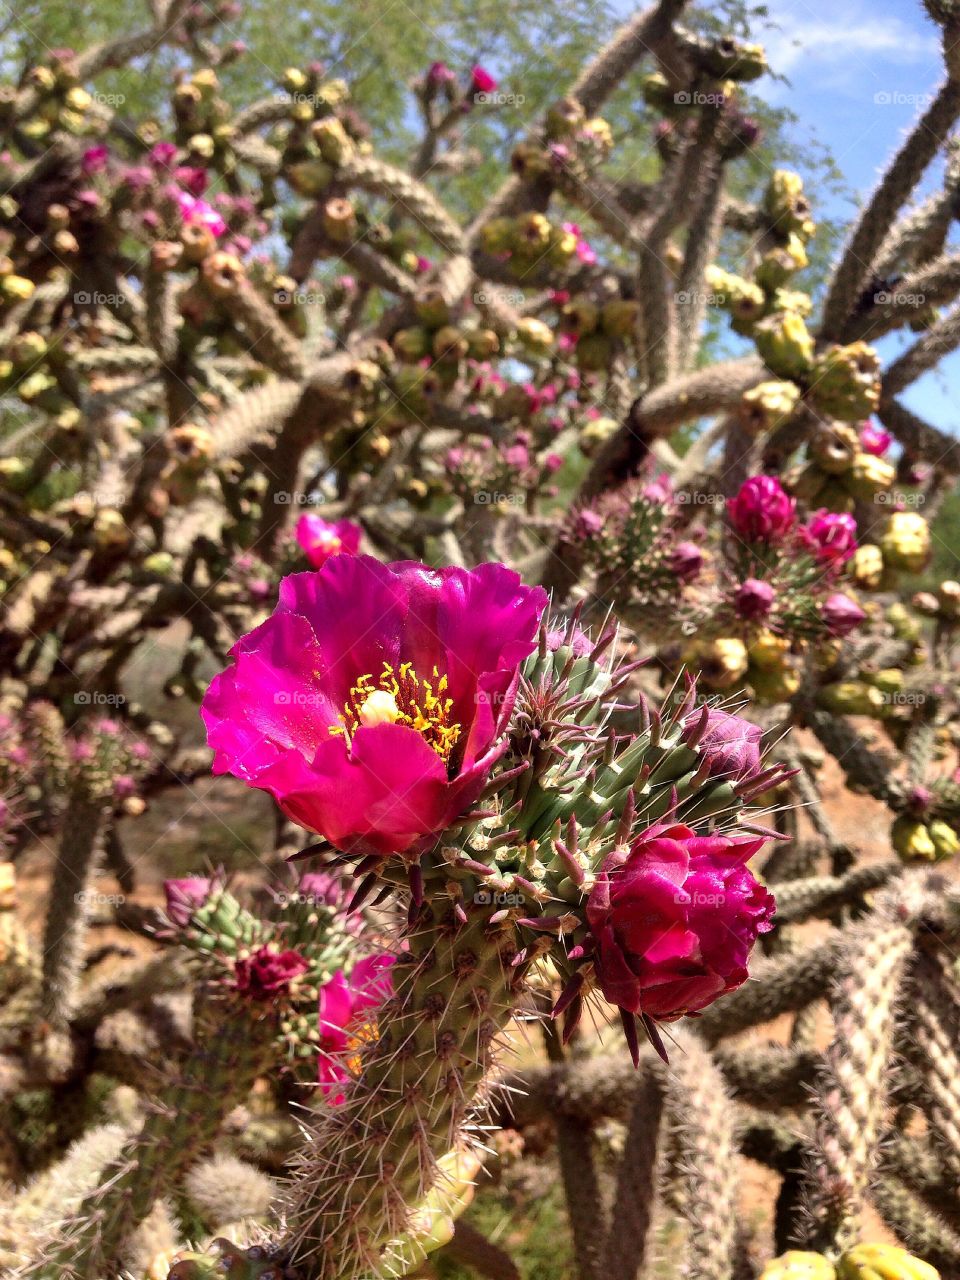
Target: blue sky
[(860, 72)]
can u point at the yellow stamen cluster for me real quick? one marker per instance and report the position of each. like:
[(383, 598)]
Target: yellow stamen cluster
[(366, 1033), (402, 697)]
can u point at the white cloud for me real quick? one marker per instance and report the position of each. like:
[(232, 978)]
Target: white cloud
[(855, 38)]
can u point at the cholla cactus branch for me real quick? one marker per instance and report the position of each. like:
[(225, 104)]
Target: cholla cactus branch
[(876, 220), (701, 1112), (851, 1093)]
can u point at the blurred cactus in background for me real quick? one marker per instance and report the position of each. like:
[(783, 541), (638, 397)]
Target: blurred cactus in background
[(582, 701)]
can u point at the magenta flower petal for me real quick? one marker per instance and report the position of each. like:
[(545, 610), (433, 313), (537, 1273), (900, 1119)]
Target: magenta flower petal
[(674, 920), (372, 703)]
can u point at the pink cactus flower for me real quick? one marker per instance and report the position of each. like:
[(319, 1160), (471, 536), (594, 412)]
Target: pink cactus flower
[(372, 703), (762, 511), (841, 614), (343, 1027), (753, 599), (321, 539), (163, 154), (686, 561), (94, 160), (481, 81), (729, 744), (186, 896), (674, 919), (266, 973), (831, 536), (193, 209), (874, 439)]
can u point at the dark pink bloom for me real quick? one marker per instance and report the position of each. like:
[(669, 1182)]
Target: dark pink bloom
[(322, 539), (481, 81), (874, 439), (439, 73), (163, 154), (94, 160), (753, 599), (674, 919), (762, 511), (841, 614), (729, 743), (192, 209), (192, 179), (186, 896), (343, 1027), (686, 561), (372, 703), (267, 973), (831, 536)]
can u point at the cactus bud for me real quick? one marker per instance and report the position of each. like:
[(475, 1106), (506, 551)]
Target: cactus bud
[(797, 1265), (883, 1262), (906, 541), (784, 344)]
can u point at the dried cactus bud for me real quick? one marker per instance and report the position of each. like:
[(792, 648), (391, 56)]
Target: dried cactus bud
[(222, 274), (948, 597), (784, 202), (846, 381), (834, 448), (535, 335), (767, 405), (784, 344), (333, 141), (412, 344), (906, 541), (883, 1262), (16, 288), (594, 432), (619, 317), (798, 1265), (769, 651), (197, 241), (866, 566), (852, 698), (869, 476), (777, 265), (911, 839), (722, 662)]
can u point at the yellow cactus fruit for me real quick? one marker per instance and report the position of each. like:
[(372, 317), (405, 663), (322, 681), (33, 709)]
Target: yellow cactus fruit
[(799, 1265), (906, 541), (883, 1262)]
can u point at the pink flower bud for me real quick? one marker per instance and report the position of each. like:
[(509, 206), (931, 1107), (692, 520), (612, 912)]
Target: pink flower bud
[(674, 919), (762, 511), (754, 599), (841, 614)]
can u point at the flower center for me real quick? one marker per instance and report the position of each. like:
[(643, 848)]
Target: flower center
[(401, 697), (366, 1033)]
